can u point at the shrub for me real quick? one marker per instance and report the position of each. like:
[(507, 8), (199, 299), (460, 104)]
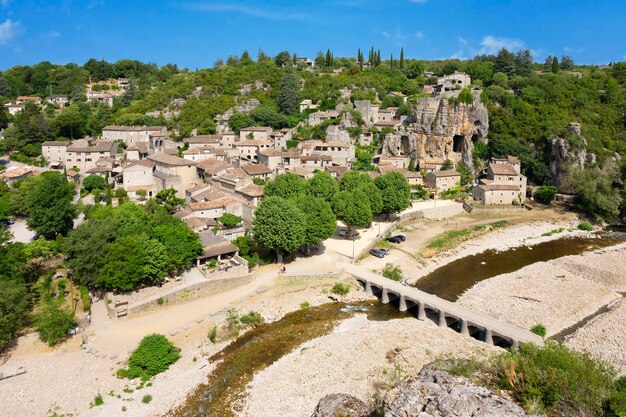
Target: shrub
[(212, 263), (585, 226), (92, 182), (61, 285), (555, 380), (546, 194), (305, 305), (84, 295), (98, 401), (252, 318), (539, 329), (393, 272), (146, 399), (160, 301), (154, 355), (340, 289), (229, 220), (213, 334), (53, 322)]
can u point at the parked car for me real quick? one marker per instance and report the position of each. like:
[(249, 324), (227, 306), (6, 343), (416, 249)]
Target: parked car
[(396, 239), (344, 233), (377, 253), (384, 251)]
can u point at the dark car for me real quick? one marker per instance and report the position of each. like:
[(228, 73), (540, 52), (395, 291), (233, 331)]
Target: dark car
[(377, 253), (396, 239), (384, 251)]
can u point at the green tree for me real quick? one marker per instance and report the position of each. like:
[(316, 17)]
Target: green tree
[(555, 65), (395, 191), (289, 96), (465, 96), (282, 58), (50, 206), (14, 305), (402, 58), (466, 174), (91, 182), (285, 186), (353, 207), (53, 322), (501, 79), (447, 164), (546, 194), (229, 220), (72, 122), (279, 225), (505, 62), (320, 221), (374, 195), (595, 194), (353, 180), (322, 185), (155, 354), (567, 63), (167, 198)]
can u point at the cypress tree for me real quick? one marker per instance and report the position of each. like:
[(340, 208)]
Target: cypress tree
[(555, 65), (402, 58), (378, 61), (329, 58), (391, 61)]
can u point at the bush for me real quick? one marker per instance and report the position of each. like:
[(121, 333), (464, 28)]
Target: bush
[(305, 304), (585, 226), (393, 272), (92, 182), (229, 220), (146, 399), (539, 329), (555, 380), (154, 355), (84, 295), (53, 322), (546, 194), (252, 318), (98, 401), (160, 301), (213, 334), (340, 289)]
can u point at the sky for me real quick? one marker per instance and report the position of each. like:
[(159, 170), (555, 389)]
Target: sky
[(194, 33)]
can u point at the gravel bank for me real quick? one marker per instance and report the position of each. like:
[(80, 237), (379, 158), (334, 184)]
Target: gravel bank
[(604, 336), (552, 292), (352, 360)]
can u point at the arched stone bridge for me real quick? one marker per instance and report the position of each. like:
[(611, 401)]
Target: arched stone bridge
[(443, 312)]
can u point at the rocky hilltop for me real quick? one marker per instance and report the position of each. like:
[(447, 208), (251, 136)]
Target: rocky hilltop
[(440, 130), (431, 394)]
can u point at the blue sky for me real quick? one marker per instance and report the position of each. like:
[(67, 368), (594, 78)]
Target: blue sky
[(193, 33)]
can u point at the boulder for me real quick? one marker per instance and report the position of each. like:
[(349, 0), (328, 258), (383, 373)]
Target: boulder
[(440, 394), (341, 405)]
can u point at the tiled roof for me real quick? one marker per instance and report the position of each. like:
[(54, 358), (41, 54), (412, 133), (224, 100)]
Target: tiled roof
[(167, 159), (256, 169), (446, 173), (503, 169), (207, 205)]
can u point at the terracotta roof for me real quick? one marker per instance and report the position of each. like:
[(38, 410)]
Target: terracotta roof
[(316, 157), (339, 170), (132, 128), (253, 142), (181, 214), (143, 163), (100, 146), (167, 159), (256, 169), (72, 173), (219, 249), (134, 188), (251, 190), (142, 147), (16, 172), (207, 205), (293, 153), (204, 139), (503, 169), (256, 129), (331, 143), (212, 166), (55, 143), (499, 187), (446, 173), (302, 172)]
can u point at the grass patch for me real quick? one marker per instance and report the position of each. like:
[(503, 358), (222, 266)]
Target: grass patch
[(305, 304), (252, 319), (146, 399), (554, 232), (98, 401), (585, 226), (160, 301), (452, 238), (539, 329), (340, 289), (213, 334)]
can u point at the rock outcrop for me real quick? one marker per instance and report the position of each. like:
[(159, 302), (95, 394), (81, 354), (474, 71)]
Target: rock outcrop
[(440, 394), (563, 154), (341, 405), (432, 393), (440, 130)]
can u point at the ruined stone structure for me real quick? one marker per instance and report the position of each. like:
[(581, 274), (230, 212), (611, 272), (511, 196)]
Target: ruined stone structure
[(440, 130)]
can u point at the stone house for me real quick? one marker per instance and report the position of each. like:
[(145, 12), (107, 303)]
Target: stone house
[(315, 161), (131, 135), (249, 149), (55, 151), (503, 185), (173, 172), (456, 81), (260, 171), (204, 141), (84, 154), (21, 100), (279, 160), (496, 194), (199, 154), (307, 104), (13, 175), (399, 94), (60, 100), (14, 108), (396, 161), (368, 111), (137, 151), (336, 171), (442, 180), (340, 152), (139, 176), (319, 117), (99, 97), (255, 133)]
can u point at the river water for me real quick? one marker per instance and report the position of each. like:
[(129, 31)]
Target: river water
[(452, 280)]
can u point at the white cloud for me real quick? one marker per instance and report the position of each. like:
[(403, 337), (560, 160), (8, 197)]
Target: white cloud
[(401, 38), (462, 41), (8, 31), (246, 10), (420, 35), (491, 44), (573, 50)]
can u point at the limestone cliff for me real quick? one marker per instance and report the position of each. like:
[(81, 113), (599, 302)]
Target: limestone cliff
[(564, 154), (440, 130)]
